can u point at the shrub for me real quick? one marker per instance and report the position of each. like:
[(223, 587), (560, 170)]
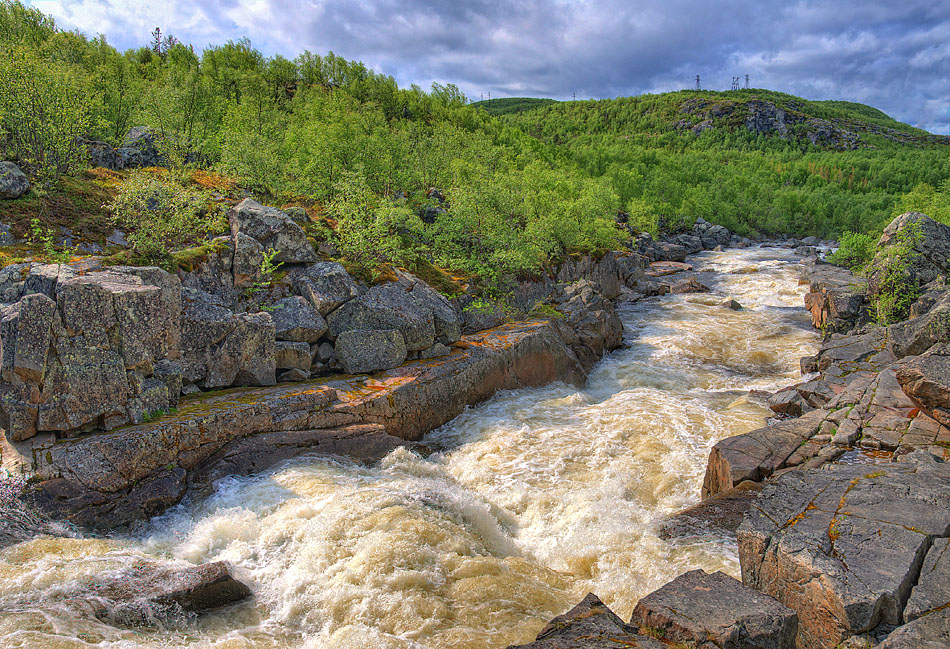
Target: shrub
[(855, 251), (896, 288), (162, 215)]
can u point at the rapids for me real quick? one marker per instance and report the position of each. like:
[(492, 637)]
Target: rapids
[(528, 502)]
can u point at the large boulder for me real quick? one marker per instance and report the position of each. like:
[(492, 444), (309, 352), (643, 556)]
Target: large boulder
[(296, 319), (700, 608), (139, 149), (590, 625), (220, 348), (13, 182), (932, 249), (83, 352), (929, 632), (273, 229), (843, 545), (326, 285), (926, 380), (418, 312), (932, 591), (366, 350)]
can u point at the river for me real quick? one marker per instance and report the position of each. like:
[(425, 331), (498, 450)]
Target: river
[(528, 502)]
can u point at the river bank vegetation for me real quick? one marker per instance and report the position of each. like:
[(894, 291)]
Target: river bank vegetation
[(519, 183)]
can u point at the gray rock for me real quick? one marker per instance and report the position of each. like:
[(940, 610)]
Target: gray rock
[(590, 625), (326, 285), (926, 380), (387, 306), (13, 182), (691, 285), (139, 149), (322, 353), (246, 261), (932, 591), (298, 215), (699, 608), (292, 355), (273, 229), (295, 374), (843, 545), (436, 351), (6, 237), (297, 320), (363, 351), (933, 249), (730, 303), (929, 632), (117, 238)]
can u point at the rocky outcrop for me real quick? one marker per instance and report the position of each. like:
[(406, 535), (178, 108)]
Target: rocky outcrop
[(326, 285), (836, 298), (926, 380), (930, 250), (109, 479), (844, 545), (715, 610), (13, 182), (370, 350)]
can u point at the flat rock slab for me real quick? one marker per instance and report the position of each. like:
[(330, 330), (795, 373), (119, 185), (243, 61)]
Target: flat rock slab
[(663, 268), (932, 591), (699, 608), (930, 632), (721, 514), (590, 625), (843, 545)]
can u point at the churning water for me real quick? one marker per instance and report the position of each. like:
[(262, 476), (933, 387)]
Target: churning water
[(530, 500)]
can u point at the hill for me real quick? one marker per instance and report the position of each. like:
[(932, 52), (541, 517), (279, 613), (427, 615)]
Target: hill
[(509, 105)]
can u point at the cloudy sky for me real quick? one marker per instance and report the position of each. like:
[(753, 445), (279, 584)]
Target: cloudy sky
[(891, 54)]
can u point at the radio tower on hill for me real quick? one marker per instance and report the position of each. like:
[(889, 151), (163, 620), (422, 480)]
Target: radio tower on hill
[(698, 87), (746, 82)]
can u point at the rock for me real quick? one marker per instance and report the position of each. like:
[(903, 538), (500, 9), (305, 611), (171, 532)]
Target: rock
[(917, 335), (926, 380), (691, 285), (483, 315), (292, 355), (13, 182), (326, 285), (730, 303), (436, 351), (139, 149), (590, 625), (150, 595), (420, 314), (246, 260), (700, 608), (117, 238), (691, 243), (788, 402), (719, 514), (298, 215), (836, 298), (273, 229), (220, 348), (322, 353), (933, 249), (843, 545), (295, 374), (665, 251), (447, 324), (593, 326), (663, 268), (932, 591), (363, 350), (295, 319), (928, 632), (100, 154)]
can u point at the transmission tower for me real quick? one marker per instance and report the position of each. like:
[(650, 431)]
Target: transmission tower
[(746, 82), (698, 87)]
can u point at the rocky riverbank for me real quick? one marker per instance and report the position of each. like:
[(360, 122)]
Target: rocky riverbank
[(841, 506)]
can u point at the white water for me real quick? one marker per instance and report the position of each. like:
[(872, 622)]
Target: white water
[(531, 500)]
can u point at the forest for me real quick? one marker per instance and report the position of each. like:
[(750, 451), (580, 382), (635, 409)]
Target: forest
[(519, 184)]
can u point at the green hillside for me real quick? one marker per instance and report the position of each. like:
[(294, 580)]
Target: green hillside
[(522, 183)]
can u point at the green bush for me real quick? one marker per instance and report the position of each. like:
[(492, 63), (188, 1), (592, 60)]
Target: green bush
[(896, 289), (161, 214), (855, 251)]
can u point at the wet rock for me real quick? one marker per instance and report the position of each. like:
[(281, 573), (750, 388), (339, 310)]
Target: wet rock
[(843, 545), (290, 355), (730, 303), (13, 182), (700, 608), (691, 285), (295, 319), (592, 325), (326, 285), (590, 625), (150, 595), (364, 350), (663, 268), (273, 229)]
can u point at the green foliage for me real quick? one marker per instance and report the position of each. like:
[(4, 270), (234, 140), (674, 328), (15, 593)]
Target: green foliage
[(855, 251), (896, 289), (935, 203), (268, 269), (45, 238), (509, 105), (161, 214)]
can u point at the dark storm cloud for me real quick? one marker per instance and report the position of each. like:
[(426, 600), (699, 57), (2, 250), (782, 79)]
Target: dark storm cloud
[(891, 55)]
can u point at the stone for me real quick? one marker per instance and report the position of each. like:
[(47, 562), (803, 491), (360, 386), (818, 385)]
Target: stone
[(152, 595), (926, 380), (720, 514), (139, 149), (27, 334), (295, 319), (932, 248), (13, 182), (298, 215), (788, 402), (364, 350), (701, 608), (220, 348), (436, 351), (730, 303), (665, 251), (691, 285), (663, 268), (932, 591), (590, 625), (384, 307), (326, 285), (915, 336), (843, 545), (929, 632), (117, 238), (246, 261), (292, 355), (322, 353), (273, 229)]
